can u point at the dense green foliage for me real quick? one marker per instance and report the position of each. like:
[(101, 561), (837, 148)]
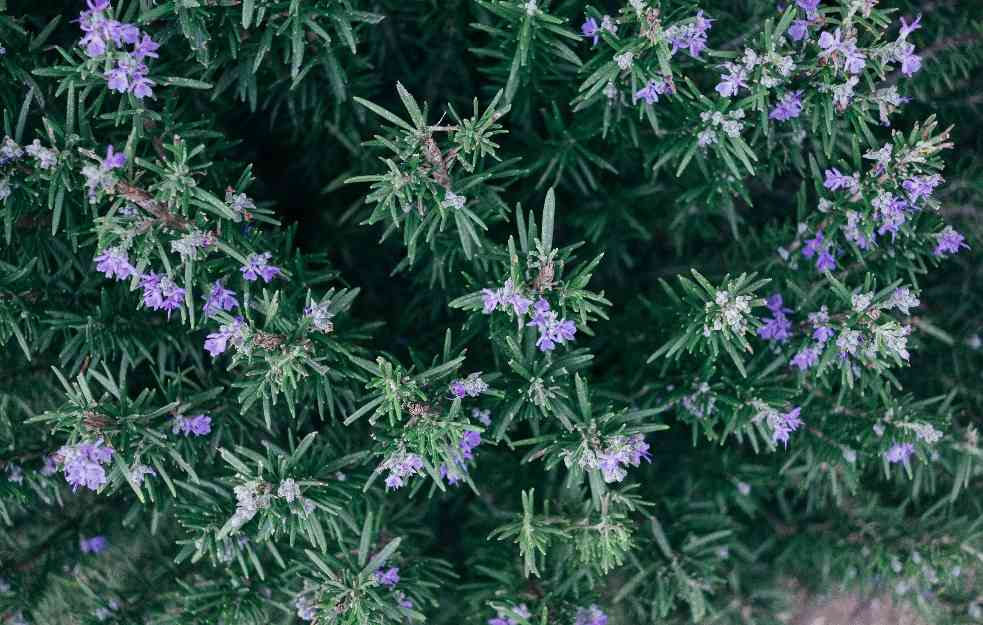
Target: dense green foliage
[(480, 218)]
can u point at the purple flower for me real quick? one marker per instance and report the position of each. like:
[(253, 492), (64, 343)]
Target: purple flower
[(838, 49), (589, 29), (691, 37), (257, 267), (732, 82), (809, 6), (219, 298), (899, 452), (777, 328), (813, 245), (198, 425), (491, 299), (805, 358), (590, 616), (949, 241), (118, 79), (799, 30), (622, 451), (910, 62), (469, 440), (835, 180), (114, 263), (161, 293), (552, 329), (217, 342), (146, 47), (113, 160), (789, 107), (96, 544), (400, 467), (784, 424), (918, 187), (650, 93), (388, 578), (482, 416), (83, 464), (825, 261), (907, 29), (142, 87), (822, 334)]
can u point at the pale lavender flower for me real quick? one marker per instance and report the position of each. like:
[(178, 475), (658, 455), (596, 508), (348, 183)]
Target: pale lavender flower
[(907, 29), (10, 151), (899, 453), (306, 607), (161, 293), (918, 187), (505, 617), (189, 244), (482, 416), (49, 467), (46, 158), (691, 37), (83, 464), (198, 425), (401, 466), (809, 6), (799, 30), (257, 266), (144, 48), (842, 51), (552, 329), (903, 299), (590, 30), (621, 452), (113, 160), (949, 241), (836, 180), (910, 62), (138, 473), (388, 578), (219, 298), (469, 440), (744, 488), (783, 424), (96, 544), (592, 615), (650, 93), (113, 262), (403, 600), (806, 358), (789, 107), (732, 82), (15, 473), (217, 342), (825, 261)]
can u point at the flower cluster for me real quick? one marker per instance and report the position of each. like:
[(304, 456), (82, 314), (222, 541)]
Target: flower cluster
[(782, 424), (772, 67), (401, 466), (822, 249), (841, 51), (472, 386), (230, 333), (690, 36), (778, 327), (251, 497), (460, 456), (788, 107), (620, 453), (105, 40), (45, 158), (219, 298), (388, 577), (198, 425), (650, 92), (161, 292), (504, 298), (82, 463), (257, 266), (99, 176), (552, 329), (899, 453), (113, 262), (306, 606)]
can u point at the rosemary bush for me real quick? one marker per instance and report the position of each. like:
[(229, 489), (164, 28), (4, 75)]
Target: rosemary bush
[(488, 311)]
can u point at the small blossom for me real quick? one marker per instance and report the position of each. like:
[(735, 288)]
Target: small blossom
[(138, 472), (903, 299), (789, 107), (482, 416), (188, 245), (400, 467), (732, 82), (624, 60), (113, 262), (83, 464), (161, 293), (96, 544), (306, 608), (806, 358), (590, 30), (257, 266), (320, 317), (799, 30), (219, 298), (15, 473), (199, 425), (45, 158), (744, 488), (217, 342), (949, 241), (783, 424), (388, 578), (899, 453), (835, 180)]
